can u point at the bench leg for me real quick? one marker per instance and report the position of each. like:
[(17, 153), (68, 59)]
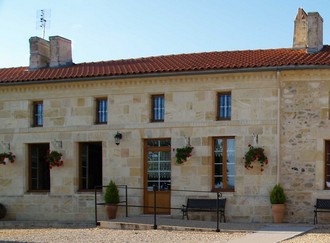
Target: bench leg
[(185, 213), (222, 215)]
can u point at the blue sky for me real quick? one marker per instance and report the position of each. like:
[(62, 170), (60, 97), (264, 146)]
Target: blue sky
[(103, 30)]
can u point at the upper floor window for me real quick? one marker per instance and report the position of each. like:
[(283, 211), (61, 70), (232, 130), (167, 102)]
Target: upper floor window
[(224, 106), (223, 167), (38, 114), (101, 111), (158, 108)]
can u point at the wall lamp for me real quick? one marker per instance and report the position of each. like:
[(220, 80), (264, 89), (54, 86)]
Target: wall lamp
[(57, 143), (118, 136), (5, 146)]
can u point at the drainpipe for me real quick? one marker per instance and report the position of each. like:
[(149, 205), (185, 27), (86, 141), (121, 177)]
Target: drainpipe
[(278, 77)]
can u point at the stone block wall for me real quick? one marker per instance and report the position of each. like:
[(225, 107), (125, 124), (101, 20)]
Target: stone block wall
[(190, 112), (304, 128)]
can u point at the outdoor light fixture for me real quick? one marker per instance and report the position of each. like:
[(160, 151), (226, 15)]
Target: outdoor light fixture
[(5, 145), (118, 136), (57, 143)]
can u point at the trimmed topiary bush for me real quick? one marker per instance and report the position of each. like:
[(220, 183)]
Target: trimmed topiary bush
[(111, 193), (277, 195)]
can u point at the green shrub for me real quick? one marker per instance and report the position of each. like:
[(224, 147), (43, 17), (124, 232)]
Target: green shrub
[(277, 195), (111, 194)]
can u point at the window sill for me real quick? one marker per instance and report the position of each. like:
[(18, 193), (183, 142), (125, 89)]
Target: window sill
[(38, 192), (223, 190), (224, 119), (88, 191)]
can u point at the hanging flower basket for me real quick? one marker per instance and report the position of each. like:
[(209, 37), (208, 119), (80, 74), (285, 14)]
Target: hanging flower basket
[(7, 157), (255, 154), (183, 154), (54, 158)]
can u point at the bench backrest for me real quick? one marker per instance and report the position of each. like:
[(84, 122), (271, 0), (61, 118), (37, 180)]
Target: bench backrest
[(205, 203), (323, 203)]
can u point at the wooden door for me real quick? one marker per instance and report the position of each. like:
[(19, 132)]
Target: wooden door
[(157, 174)]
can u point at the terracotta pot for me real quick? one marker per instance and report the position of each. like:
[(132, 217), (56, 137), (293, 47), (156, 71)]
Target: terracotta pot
[(278, 212), (111, 210)]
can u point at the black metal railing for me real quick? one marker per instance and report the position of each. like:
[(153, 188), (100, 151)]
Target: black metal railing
[(125, 204)]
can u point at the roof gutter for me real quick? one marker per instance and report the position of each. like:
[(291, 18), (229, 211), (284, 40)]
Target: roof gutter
[(170, 74)]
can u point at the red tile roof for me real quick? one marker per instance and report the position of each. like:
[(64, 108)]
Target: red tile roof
[(171, 63)]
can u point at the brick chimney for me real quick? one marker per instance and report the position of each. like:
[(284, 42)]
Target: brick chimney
[(53, 53), (60, 51), (39, 53), (308, 31)]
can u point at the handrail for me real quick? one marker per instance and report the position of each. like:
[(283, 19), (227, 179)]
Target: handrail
[(155, 207)]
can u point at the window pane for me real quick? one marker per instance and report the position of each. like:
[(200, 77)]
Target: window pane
[(224, 163), (230, 182), (218, 182), (159, 143), (231, 156), (224, 106), (158, 108), (38, 114), (159, 166), (102, 111), (218, 163)]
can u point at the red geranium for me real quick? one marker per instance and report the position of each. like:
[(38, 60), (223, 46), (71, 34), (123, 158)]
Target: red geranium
[(253, 154), (7, 157), (54, 158)]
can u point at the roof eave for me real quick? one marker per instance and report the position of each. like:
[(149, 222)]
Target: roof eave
[(167, 74)]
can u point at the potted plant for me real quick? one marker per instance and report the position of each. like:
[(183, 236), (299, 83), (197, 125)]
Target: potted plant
[(7, 157), (111, 199), (183, 154), (54, 158), (277, 199), (253, 154)]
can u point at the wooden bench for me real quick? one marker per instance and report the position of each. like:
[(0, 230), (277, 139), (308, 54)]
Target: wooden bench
[(204, 205), (321, 206)]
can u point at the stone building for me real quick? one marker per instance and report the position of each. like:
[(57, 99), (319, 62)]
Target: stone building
[(217, 102)]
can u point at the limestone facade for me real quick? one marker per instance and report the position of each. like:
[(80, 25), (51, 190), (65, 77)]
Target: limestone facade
[(190, 111)]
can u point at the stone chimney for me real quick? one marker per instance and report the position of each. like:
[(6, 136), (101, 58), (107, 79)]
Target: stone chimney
[(39, 53), (308, 31), (60, 51), (53, 53)]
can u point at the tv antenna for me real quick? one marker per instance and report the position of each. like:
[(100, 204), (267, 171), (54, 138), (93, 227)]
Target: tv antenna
[(43, 20)]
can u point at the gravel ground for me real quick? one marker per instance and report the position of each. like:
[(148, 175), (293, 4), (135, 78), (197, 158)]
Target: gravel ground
[(108, 235), (159, 236), (318, 235)]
